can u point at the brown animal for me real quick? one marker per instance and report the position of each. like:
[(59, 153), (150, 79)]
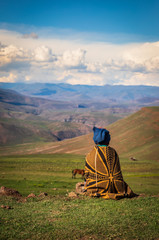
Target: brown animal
[(79, 171)]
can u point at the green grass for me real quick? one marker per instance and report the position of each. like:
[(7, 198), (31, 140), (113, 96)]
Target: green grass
[(82, 218), (59, 217), (38, 173), (137, 134)]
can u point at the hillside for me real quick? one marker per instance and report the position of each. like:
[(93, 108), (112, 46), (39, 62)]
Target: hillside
[(136, 135), (21, 119), (25, 119), (13, 100)]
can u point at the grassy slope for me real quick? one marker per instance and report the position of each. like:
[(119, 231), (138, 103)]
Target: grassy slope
[(59, 217), (19, 127), (136, 135), (15, 131)]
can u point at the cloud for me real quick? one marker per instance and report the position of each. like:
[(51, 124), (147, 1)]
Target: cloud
[(30, 35), (72, 59), (96, 67), (141, 79), (152, 65), (53, 59), (74, 77), (11, 53), (10, 78), (43, 54), (125, 65)]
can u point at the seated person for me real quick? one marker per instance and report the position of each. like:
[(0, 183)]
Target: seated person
[(102, 170)]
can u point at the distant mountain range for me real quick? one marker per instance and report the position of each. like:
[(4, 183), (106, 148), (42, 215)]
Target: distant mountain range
[(53, 112), (89, 96)]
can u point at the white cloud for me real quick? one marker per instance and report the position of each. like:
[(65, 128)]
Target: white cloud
[(10, 78), (142, 79), (75, 61), (11, 53), (72, 59), (96, 67), (84, 78), (27, 78), (43, 54), (152, 65)]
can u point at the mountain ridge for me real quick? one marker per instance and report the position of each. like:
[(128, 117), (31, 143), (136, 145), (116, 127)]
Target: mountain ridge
[(113, 94), (136, 135), (28, 119)]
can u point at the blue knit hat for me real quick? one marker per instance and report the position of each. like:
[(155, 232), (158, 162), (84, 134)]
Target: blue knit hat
[(101, 136)]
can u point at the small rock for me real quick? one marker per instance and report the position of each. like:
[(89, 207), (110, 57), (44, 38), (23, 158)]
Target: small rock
[(72, 194), (6, 207), (42, 194), (9, 192), (80, 188), (31, 195), (2, 206)]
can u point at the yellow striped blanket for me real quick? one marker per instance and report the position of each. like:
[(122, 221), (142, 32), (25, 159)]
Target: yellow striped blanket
[(103, 175)]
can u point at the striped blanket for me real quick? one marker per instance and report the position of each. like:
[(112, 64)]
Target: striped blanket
[(103, 175)]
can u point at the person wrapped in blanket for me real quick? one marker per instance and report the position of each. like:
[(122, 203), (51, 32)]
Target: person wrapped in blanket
[(103, 176)]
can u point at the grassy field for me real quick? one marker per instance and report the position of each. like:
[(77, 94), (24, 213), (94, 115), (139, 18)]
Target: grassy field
[(59, 217), (39, 173)]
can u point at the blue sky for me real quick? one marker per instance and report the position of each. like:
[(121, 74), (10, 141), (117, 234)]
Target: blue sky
[(104, 16), (88, 42)]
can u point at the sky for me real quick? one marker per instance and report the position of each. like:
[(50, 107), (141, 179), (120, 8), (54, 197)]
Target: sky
[(93, 42)]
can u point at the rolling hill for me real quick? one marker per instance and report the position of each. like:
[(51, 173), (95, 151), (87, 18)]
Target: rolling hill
[(25, 119), (136, 135)]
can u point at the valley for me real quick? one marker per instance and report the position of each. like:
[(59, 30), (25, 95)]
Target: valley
[(41, 124), (136, 135), (25, 119)]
